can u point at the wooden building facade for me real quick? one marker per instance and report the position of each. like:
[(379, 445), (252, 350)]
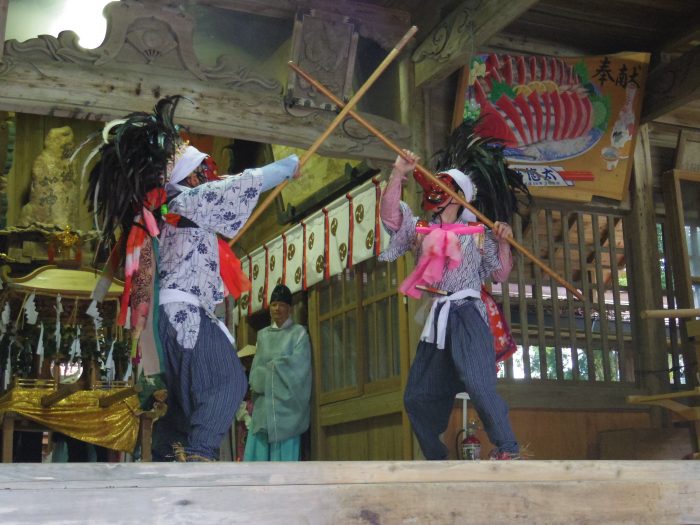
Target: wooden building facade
[(578, 361)]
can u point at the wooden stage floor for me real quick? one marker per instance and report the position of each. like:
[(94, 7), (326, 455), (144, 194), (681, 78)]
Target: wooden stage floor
[(368, 493)]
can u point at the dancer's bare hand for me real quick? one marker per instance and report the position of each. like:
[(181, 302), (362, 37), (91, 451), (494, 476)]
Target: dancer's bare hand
[(502, 231), (406, 163)]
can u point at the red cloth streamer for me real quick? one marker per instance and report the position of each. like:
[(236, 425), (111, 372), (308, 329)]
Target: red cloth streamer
[(235, 280)]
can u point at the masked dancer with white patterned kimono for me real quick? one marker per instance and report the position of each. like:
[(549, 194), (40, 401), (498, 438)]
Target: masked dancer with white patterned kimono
[(171, 207)]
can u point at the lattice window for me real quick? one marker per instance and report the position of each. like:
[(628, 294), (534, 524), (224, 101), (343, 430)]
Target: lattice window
[(559, 337)]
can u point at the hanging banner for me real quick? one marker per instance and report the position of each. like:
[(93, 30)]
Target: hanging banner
[(338, 237), (244, 299), (275, 265), (314, 248), (364, 203), (294, 272), (259, 280), (569, 124)]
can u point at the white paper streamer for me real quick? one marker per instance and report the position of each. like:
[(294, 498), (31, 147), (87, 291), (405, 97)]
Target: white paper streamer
[(110, 368), (40, 345), (94, 312), (5, 318), (57, 330), (8, 366), (75, 352), (127, 375), (30, 311)]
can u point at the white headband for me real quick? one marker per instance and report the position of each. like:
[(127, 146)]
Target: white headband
[(467, 187), (186, 164)]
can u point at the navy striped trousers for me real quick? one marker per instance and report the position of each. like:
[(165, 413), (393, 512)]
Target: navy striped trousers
[(205, 386), (466, 364)]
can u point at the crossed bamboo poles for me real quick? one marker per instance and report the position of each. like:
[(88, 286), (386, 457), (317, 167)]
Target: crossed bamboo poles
[(347, 110)]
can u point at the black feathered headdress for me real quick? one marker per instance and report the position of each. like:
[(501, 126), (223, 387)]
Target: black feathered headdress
[(499, 189), (133, 160)]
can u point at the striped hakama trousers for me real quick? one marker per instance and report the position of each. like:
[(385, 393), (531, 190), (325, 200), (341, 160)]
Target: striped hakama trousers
[(466, 364), (206, 384)]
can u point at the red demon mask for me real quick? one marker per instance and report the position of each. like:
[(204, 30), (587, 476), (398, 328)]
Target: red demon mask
[(209, 168), (433, 195)]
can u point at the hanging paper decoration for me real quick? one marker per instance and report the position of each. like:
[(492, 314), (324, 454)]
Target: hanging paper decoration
[(8, 364), (110, 367), (5, 319), (314, 248), (40, 345), (127, 374), (57, 330), (30, 310), (75, 351), (94, 312), (294, 269), (275, 265), (259, 280)]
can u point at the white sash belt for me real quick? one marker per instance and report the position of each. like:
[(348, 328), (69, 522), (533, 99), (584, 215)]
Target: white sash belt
[(429, 332), (178, 296)]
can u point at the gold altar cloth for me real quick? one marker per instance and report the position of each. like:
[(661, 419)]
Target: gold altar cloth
[(80, 415)]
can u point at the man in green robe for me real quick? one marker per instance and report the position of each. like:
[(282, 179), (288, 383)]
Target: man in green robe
[(280, 383)]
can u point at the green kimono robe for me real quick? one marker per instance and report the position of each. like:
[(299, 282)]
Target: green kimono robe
[(280, 382)]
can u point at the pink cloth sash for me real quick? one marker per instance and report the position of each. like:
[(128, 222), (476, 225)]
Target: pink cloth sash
[(440, 251)]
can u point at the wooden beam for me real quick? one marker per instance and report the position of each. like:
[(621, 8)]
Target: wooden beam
[(381, 24), (683, 38), (119, 395), (451, 44), (672, 85), (103, 94), (677, 313), (62, 392), (361, 408), (271, 8), (355, 492), (531, 45)]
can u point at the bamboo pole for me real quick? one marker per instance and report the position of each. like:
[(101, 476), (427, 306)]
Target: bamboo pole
[(678, 313), (392, 146), (342, 115)]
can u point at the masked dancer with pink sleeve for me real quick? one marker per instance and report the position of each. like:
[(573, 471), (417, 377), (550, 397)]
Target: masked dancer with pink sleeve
[(455, 257)]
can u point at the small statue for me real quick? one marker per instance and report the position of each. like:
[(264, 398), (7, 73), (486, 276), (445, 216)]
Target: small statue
[(54, 192)]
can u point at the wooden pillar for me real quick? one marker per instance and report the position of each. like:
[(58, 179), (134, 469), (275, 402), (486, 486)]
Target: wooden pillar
[(146, 435), (8, 430), (3, 23), (644, 274)]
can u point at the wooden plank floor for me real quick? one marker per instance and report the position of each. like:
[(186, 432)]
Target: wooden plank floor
[(368, 493)]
